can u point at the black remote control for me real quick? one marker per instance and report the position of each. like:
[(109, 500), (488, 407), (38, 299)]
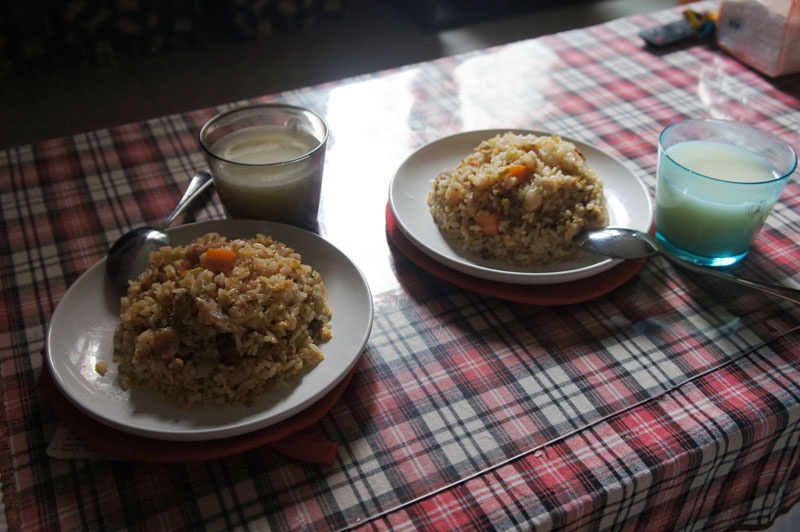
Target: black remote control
[(667, 34)]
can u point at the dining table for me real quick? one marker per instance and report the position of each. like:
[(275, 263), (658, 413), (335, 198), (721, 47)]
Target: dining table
[(641, 396)]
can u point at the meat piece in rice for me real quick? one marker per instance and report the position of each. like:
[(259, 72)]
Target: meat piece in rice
[(520, 199), (221, 331)]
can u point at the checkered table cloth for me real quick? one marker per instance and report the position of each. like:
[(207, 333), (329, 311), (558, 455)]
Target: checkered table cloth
[(671, 403)]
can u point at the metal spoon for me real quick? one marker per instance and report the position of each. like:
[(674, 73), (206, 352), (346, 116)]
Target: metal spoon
[(621, 243), (127, 257)]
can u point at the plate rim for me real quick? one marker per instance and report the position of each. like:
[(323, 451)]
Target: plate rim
[(500, 275), (237, 228)]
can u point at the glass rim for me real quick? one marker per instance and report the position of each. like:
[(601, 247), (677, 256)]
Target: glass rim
[(740, 125), (224, 114)]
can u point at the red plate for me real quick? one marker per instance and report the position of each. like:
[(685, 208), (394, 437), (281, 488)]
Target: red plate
[(286, 436), (541, 294)]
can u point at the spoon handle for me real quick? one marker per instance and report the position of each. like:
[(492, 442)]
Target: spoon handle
[(197, 185), (782, 292)]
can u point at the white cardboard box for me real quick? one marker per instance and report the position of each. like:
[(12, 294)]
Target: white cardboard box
[(764, 34)]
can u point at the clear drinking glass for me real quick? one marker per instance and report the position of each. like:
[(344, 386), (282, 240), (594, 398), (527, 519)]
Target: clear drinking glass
[(267, 162), (717, 183)]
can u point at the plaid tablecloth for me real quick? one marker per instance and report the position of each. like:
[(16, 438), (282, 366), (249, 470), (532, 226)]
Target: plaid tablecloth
[(671, 403)]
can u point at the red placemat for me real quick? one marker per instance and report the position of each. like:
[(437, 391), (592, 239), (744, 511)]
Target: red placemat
[(541, 294), (286, 436)]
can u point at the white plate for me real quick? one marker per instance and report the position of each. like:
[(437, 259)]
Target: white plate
[(627, 198), (82, 330)]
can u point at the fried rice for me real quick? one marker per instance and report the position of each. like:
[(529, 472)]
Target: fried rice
[(520, 199), (221, 322)]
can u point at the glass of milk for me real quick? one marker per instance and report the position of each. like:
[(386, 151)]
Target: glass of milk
[(267, 162), (717, 182)]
